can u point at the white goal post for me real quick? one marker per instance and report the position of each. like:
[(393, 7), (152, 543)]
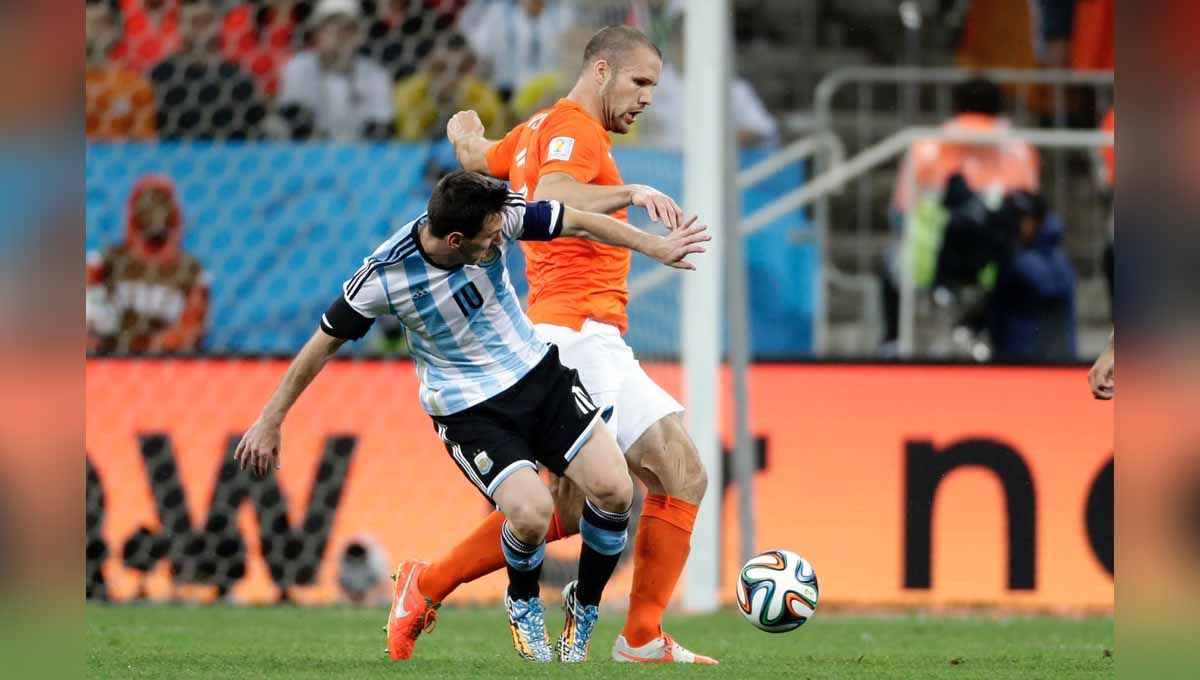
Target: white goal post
[(707, 176)]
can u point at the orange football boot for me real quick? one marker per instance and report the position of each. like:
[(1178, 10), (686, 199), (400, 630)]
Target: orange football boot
[(411, 614)]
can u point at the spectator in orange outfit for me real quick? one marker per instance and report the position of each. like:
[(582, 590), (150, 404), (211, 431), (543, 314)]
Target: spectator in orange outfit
[(120, 102), (1093, 40), (997, 34), (990, 170), (151, 33), (258, 36), (146, 294), (1078, 34)]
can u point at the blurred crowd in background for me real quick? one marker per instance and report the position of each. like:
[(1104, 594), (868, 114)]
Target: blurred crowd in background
[(350, 70), (378, 70)]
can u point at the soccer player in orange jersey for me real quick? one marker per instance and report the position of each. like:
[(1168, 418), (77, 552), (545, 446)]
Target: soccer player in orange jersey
[(578, 293)]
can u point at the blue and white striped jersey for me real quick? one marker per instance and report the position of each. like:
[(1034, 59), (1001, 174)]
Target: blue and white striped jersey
[(469, 337)]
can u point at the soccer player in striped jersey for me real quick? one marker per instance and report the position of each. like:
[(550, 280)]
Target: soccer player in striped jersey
[(498, 396), (578, 292)]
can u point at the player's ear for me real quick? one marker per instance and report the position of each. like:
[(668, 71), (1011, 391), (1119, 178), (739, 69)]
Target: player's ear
[(601, 70), (454, 239)]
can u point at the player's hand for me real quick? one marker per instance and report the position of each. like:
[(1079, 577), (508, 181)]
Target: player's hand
[(662, 208), (462, 125), (258, 451), (1102, 377), (677, 245)]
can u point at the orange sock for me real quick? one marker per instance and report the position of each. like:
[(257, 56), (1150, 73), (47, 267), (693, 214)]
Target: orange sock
[(477, 555), (664, 537)]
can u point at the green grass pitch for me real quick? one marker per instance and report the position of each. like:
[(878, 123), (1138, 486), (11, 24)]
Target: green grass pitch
[(149, 641)]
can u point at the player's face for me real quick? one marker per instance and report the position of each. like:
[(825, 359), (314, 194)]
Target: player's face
[(477, 249), (629, 90)]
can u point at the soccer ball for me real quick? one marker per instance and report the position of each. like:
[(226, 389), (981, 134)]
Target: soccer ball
[(777, 591)]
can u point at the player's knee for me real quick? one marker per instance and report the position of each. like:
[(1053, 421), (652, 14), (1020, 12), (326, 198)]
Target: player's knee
[(530, 517), (612, 492)]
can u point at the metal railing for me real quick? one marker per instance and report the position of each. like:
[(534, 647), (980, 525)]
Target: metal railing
[(890, 148), (832, 178), (914, 85), (900, 142), (832, 171), (827, 151)]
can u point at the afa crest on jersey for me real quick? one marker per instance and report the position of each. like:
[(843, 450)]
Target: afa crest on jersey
[(492, 256), (483, 463)]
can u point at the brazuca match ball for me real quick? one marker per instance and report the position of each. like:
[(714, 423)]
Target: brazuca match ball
[(777, 591)]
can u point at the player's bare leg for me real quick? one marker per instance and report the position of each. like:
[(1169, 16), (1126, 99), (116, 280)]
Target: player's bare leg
[(666, 460), (600, 473)]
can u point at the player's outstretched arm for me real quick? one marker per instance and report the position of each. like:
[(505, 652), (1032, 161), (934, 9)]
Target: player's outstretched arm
[(1102, 377), (670, 250), (600, 198), (259, 448), (465, 132)]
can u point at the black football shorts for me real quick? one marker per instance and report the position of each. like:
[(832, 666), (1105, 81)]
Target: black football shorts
[(544, 419)]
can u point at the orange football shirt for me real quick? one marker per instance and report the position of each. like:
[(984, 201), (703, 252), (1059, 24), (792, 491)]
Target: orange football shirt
[(571, 280)]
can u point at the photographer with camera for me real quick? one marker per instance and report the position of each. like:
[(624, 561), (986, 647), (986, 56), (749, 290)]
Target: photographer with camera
[(1032, 307)]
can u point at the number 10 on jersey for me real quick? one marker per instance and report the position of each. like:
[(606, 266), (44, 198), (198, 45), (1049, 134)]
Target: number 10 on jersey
[(468, 297)]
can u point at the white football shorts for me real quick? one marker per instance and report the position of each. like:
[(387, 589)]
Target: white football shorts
[(612, 376)]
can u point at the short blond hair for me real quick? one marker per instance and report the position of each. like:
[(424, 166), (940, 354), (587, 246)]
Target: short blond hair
[(614, 44)]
